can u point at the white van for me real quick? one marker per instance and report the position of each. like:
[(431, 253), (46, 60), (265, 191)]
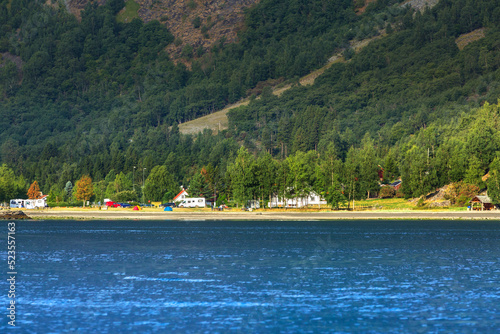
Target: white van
[(17, 203), (195, 202), (35, 203)]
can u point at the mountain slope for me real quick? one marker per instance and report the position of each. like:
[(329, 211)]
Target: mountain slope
[(100, 94), (198, 24)]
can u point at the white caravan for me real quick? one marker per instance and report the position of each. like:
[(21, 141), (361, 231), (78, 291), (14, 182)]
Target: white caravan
[(17, 203), (35, 203), (195, 202)]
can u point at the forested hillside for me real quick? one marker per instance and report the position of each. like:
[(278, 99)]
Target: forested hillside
[(101, 97)]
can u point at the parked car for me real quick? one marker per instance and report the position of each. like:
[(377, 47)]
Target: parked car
[(164, 205), (125, 205), (112, 204)]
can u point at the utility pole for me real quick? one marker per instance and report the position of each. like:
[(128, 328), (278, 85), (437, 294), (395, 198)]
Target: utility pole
[(143, 183), (143, 170), (133, 178)]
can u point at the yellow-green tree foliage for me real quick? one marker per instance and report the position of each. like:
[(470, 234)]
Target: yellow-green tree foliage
[(84, 189), (11, 186), (34, 191)]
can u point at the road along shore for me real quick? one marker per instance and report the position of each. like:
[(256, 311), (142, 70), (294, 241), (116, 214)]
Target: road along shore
[(264, 215)]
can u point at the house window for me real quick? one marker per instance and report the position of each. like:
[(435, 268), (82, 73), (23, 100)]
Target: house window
[(313, 198)]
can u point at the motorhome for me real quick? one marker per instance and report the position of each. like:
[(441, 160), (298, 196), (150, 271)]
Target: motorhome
[(17, 203), (35, 203), (195, 202), (29, 203)]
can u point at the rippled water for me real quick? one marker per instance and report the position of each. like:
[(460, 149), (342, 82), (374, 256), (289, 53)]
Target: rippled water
[(256, 277)]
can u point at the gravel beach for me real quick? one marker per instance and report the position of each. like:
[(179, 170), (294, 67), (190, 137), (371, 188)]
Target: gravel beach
[(260, 215)]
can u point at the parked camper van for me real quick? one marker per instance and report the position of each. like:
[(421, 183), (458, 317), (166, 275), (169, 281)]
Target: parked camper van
[(38, 203), (35, 203), (17, 203), (195, 202)]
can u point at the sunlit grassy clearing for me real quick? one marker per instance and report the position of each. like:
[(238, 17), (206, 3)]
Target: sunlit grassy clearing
[(128, 13)]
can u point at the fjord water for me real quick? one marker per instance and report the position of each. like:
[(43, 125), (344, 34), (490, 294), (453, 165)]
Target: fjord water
[(257, 277)]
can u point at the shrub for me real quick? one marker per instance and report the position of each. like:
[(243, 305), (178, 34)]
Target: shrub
[(63, 204), (387, 192), (196, 22), (187, 51), (125, 196), (459, 193), (192, 4)]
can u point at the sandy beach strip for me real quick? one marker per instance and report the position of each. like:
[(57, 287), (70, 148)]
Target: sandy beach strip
[(256, 215)]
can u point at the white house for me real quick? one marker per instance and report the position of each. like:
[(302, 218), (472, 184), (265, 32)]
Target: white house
[(312, 199), (181, 196)]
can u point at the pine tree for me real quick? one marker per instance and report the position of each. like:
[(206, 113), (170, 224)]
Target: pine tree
[(68, 189)]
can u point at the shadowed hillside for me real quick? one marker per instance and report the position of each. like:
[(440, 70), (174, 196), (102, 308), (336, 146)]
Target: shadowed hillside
[(194, 23)]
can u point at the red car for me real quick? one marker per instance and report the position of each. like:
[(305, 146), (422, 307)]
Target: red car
[(113, 204)]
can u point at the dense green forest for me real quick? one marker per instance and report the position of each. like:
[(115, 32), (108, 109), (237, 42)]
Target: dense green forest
[(101, 97)]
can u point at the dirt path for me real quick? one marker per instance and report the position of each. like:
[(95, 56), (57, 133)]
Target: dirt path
[(218, 120)]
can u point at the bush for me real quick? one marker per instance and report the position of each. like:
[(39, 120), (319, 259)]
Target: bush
[(196, 22), (460, 193), (187, 51), (387, 192), (125, 196), (63, 204), (192, 4)]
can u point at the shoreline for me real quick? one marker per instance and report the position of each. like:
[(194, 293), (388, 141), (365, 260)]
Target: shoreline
[(262, 215)]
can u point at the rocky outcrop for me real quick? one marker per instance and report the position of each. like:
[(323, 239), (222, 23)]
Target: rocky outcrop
[(194, 23), (76, 6), (7, 56), (13, 215), (420, 4)]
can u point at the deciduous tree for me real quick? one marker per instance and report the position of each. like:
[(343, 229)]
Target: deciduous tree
[(159, 183), (242, 175), (84, 189), (10, 185), (493, 182), (34, 191)]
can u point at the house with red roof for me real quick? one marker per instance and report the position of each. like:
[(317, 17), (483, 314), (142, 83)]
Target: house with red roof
[(181, 196)]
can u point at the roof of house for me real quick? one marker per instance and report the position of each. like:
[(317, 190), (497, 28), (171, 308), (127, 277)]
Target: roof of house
[(179, 194), (395, 183), (482, 199)]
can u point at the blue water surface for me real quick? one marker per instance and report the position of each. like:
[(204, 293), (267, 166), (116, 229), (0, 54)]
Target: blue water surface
[(255, 277)]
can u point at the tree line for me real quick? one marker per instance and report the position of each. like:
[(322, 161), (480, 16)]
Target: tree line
[(462, 153), (98, 96)]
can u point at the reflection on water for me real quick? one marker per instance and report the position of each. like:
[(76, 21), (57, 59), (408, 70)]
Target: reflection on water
[(310, 277)]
